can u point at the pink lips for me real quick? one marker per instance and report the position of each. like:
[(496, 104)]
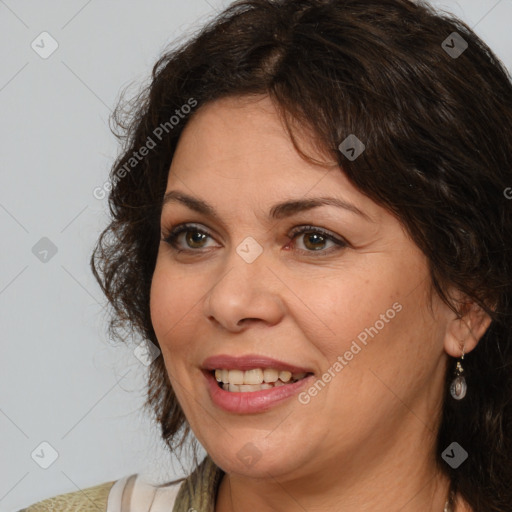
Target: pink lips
[(253, 401), (248, 362)]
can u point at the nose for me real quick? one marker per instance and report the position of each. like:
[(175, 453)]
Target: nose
[(246, 293)]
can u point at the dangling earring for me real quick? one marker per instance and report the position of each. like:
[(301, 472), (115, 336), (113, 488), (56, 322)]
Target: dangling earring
[(459, 387)]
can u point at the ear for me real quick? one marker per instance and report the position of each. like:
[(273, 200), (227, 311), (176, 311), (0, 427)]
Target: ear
[(464, 331)]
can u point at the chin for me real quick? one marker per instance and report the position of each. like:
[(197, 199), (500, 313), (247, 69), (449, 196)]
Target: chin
[(253, 462)]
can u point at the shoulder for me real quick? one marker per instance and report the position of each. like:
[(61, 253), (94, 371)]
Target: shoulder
[(129, 494), (93, 499), (136, 494)]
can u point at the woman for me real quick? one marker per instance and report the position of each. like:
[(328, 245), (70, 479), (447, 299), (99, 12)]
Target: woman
[(311, 223)]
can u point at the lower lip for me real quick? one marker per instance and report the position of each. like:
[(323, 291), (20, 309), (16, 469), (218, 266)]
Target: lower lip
[(251, 401)]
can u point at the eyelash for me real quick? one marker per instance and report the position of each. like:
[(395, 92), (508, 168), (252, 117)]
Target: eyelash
[(171, 237)]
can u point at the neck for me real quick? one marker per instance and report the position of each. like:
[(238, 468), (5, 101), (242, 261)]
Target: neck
[(237, 494), (401, 477)]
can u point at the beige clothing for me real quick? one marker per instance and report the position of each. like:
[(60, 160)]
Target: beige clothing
[(132, 493)]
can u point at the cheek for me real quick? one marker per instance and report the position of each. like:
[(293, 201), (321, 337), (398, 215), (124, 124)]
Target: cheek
[(335, 312), (170, 301), (172, 297), (159, 301), (375, 318), (175, 307)]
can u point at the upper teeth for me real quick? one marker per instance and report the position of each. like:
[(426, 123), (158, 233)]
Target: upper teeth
[(255, 376)]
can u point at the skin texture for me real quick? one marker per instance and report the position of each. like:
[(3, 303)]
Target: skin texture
[(367, 440)]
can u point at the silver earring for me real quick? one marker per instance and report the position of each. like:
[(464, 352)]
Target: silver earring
[(459, 387)]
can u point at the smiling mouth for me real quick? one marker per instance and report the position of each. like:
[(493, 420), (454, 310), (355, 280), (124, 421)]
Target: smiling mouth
[(256, 379)]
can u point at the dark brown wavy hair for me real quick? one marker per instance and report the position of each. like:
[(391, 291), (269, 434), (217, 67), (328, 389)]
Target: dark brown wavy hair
[(438, 133)]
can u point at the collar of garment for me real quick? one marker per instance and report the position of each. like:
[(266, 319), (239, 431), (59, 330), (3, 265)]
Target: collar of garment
[(199, 491)]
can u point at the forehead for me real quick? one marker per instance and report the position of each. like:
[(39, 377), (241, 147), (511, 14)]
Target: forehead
[(236, 128), (237, 149), (242, 138)]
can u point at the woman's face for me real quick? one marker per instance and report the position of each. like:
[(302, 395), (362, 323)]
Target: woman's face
[(355, 314)]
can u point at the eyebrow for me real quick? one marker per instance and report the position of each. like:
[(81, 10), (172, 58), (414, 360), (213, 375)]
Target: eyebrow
[(278, 211)]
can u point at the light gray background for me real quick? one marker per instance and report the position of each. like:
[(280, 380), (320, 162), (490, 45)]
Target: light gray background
[(62, 381)]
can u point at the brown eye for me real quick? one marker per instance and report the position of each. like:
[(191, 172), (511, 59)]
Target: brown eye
[(195, 238), (314, 240)]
